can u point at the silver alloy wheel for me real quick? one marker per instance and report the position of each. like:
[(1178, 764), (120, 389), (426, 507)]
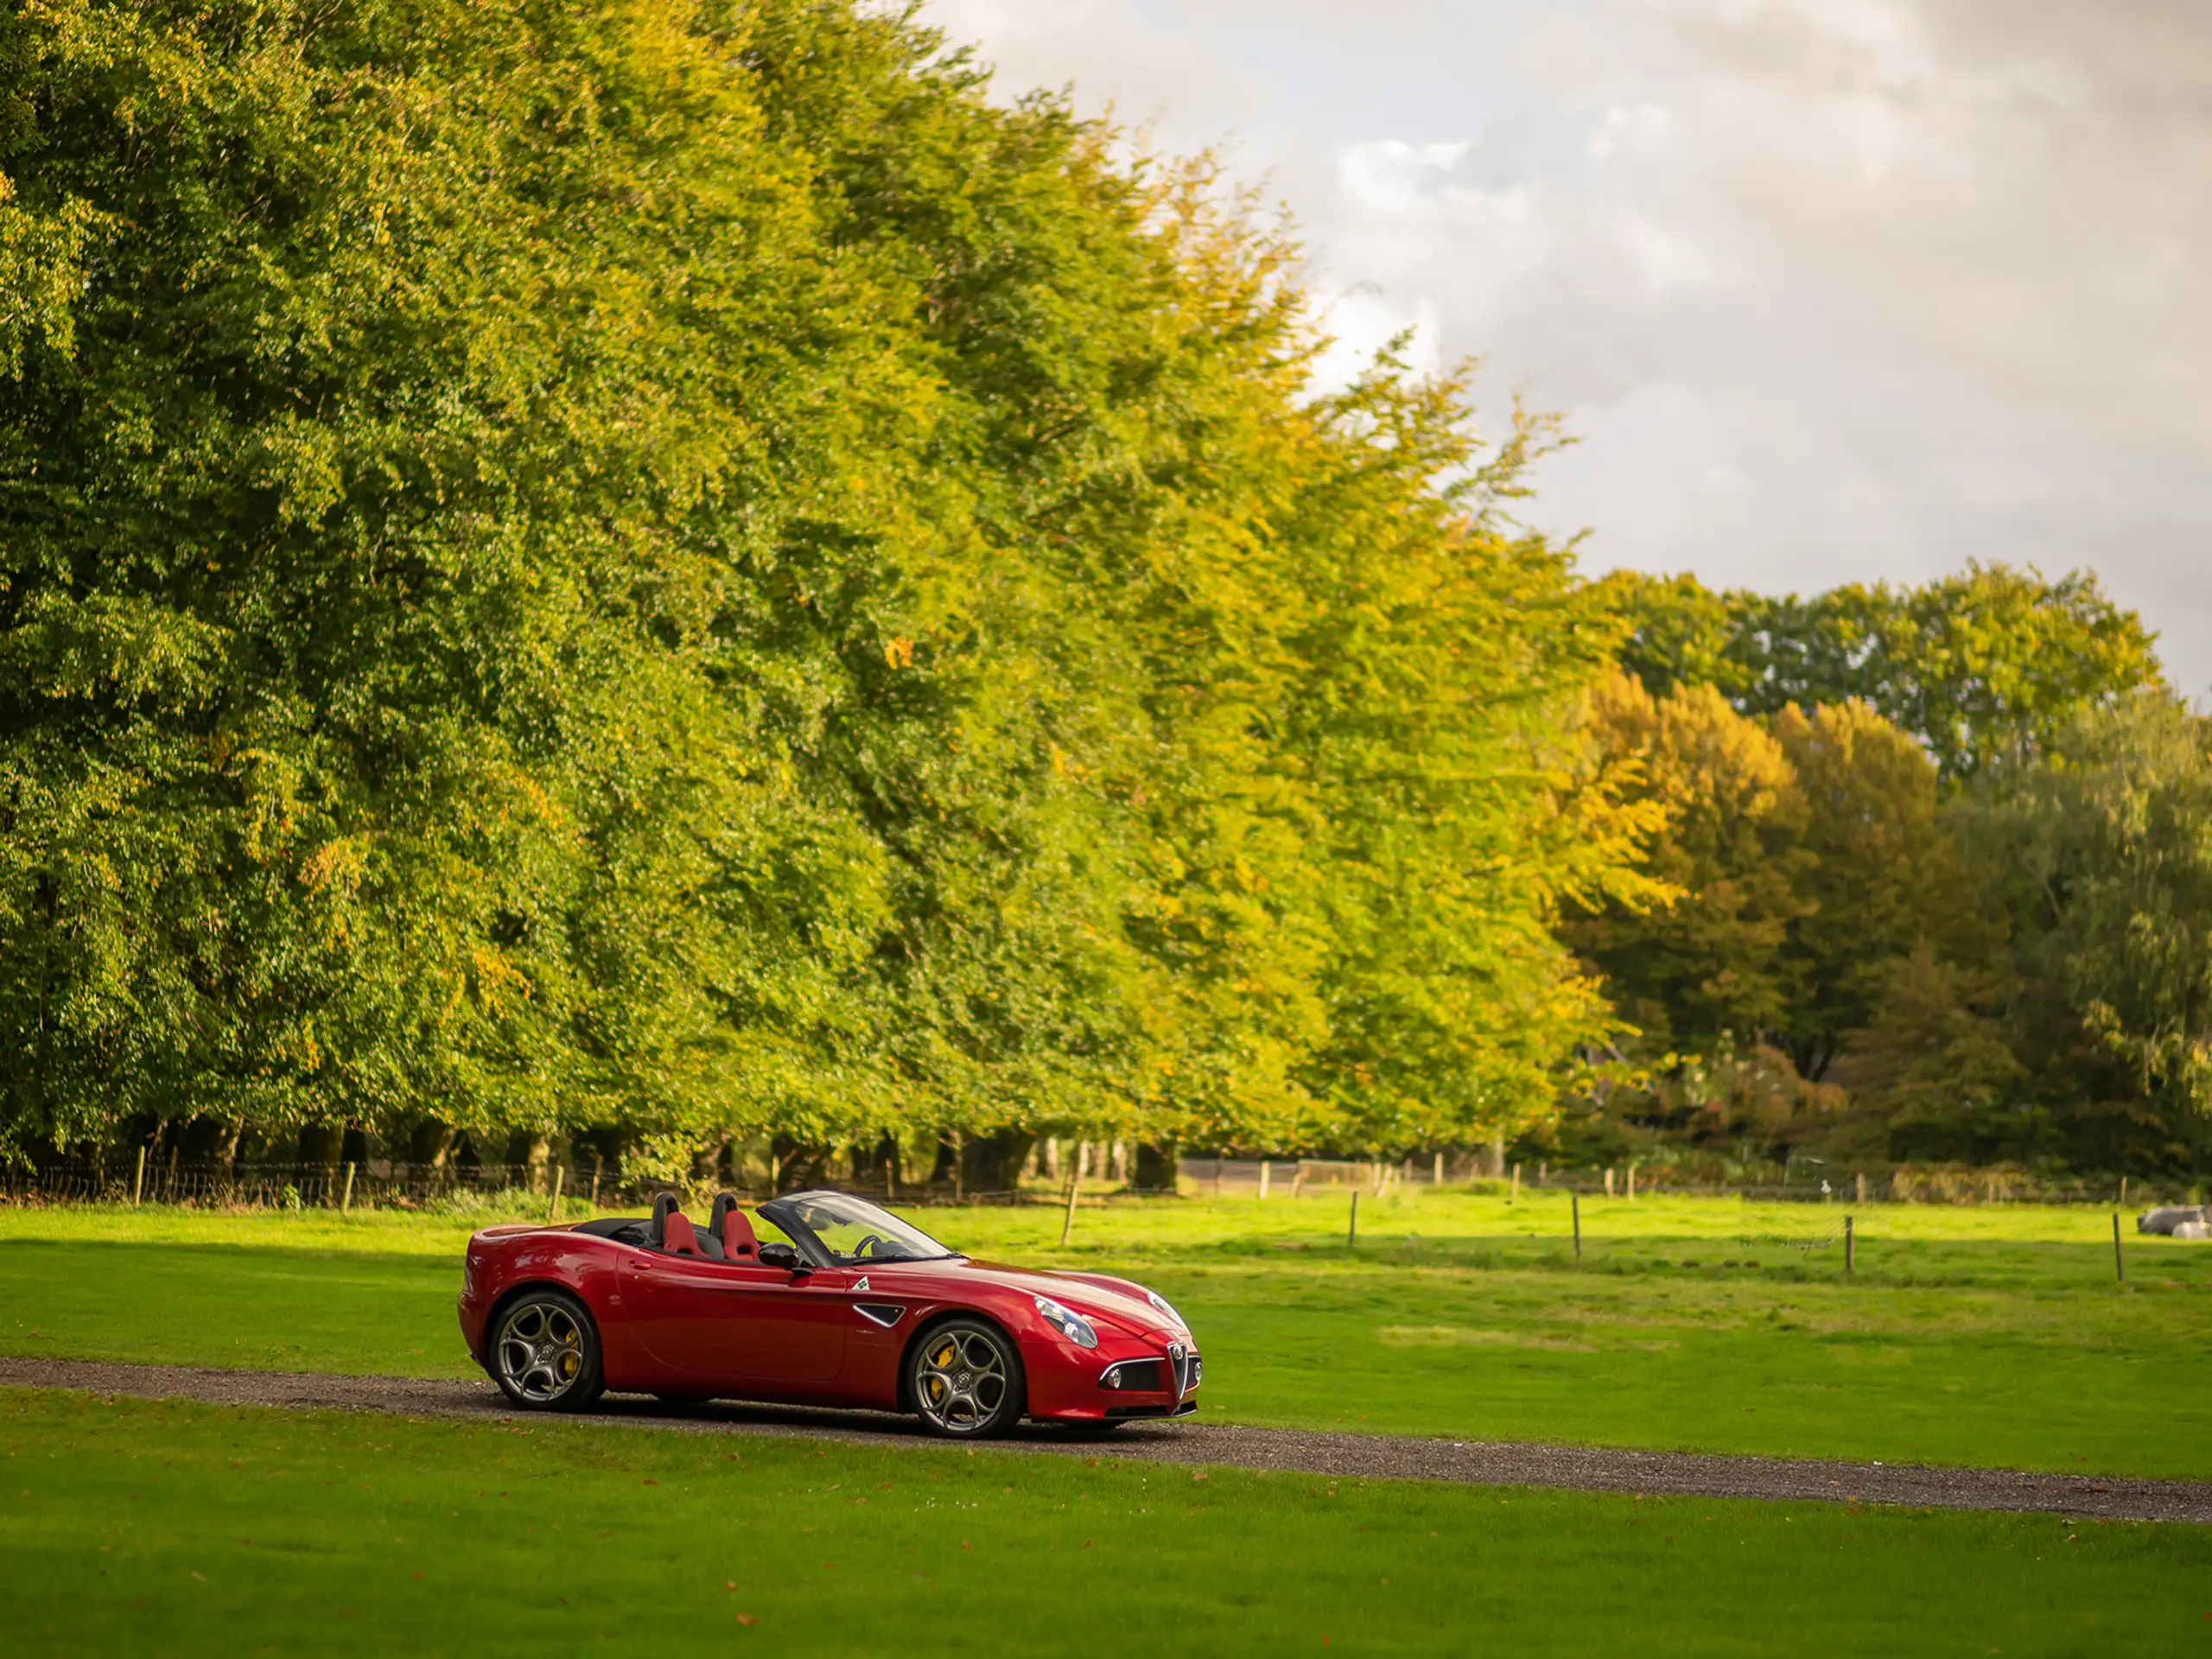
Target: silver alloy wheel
[(961, 1383), (541, 1350)]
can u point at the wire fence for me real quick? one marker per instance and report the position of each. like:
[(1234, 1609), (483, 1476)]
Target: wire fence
[(1807, 1182), (380, 1183), (290, 1185), (395, 1184)]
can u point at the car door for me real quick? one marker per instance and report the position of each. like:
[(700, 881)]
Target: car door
[(738, 1322)]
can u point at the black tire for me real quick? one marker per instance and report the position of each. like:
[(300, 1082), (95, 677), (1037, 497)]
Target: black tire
[(965, 1380), (544, 1351)]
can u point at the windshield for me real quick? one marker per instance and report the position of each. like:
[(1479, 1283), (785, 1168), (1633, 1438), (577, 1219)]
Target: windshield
[(851, 1232)]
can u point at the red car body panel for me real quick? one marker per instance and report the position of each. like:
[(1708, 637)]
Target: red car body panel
[(684, 1325)]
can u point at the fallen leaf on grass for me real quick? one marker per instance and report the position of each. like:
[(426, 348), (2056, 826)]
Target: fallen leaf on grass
[(748, 1620)]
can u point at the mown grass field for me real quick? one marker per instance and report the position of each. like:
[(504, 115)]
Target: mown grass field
[(168, 1528), (1982, 1336)]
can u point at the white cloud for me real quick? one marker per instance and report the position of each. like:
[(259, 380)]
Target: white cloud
[(1388, 176), (1627, 128), (1832, 288), (1360, 324)]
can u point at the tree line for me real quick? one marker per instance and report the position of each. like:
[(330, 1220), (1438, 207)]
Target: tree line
[(677, 575), (1944, 865)]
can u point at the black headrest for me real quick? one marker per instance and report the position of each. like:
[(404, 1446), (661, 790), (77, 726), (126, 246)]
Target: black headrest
[(724, 1202), (657, 1228)]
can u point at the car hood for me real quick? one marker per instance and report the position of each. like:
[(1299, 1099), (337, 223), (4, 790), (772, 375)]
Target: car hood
[(1125, 1307)]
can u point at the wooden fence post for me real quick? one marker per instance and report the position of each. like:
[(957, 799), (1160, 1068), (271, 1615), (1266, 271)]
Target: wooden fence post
[(1351, 1238), (138, 1180), (1067, 1221), (1632, 1180), (1850, 1247), (1862, 1187), (1440, 1170), (2119, 1262), (1574, 1201), (552, 1208), (1516, 1196), (346, 1203), (1263, 1178), (1609, 1180)]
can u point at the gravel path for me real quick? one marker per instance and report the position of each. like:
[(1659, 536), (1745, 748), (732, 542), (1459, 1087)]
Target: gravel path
[(1367, 1456)]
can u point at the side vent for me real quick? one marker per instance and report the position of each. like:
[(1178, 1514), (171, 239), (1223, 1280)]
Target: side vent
[(886, 1314)]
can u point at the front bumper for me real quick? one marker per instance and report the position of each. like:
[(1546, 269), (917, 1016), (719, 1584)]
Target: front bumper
[(1077, 1385)]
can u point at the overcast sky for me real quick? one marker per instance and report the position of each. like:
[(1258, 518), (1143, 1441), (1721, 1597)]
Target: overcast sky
[(1830, 289)]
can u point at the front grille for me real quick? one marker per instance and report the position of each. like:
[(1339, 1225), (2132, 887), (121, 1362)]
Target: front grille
[(1132, 1377)]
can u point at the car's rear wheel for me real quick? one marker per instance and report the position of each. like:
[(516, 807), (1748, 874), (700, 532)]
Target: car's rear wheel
[(545, 1352), (965, 1380)]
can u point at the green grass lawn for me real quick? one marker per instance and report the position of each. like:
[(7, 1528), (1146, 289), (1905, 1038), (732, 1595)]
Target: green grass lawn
[(171, 1527), (1986, 1335)]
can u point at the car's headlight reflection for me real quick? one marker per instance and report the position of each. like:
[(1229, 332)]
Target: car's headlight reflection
[(1069, 1323)]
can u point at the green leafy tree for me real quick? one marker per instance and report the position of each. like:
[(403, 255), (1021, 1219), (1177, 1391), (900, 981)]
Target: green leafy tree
[(1985, 667), (2108, 871), (679, 571), (1883, 881), (1714, 969)]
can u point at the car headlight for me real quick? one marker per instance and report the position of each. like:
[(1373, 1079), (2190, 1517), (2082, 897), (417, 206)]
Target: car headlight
[(1159, 1303), (1069, 1323)]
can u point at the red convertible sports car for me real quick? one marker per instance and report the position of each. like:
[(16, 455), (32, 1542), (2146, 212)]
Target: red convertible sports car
[(832, 1302)]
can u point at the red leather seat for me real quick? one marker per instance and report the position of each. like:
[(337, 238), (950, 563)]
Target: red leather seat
[(678, 1236), (733, 1230)]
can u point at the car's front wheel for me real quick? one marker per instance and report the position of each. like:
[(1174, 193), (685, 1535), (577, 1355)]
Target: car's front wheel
[(964, 1377), (545, 1352)]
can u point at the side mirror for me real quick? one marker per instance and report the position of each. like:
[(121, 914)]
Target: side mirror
[(785, 1256)]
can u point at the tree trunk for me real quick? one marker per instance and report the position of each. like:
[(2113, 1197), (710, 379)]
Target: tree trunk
[(319, 1147), (992, 1163), (430, 1146), (1155, 1166)]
